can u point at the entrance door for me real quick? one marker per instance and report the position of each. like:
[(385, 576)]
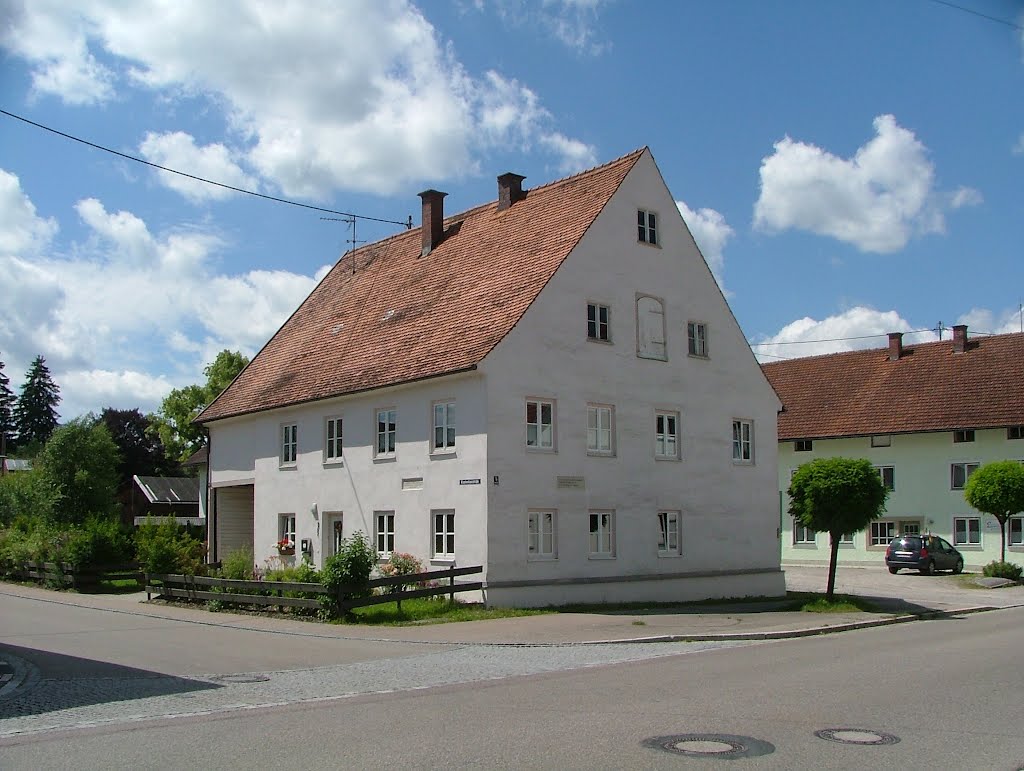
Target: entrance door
[(334, 533)]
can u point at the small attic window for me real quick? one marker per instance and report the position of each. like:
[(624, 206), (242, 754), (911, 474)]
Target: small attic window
[(647, 227)]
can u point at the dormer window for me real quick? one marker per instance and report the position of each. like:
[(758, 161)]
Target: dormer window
[(647, 227)]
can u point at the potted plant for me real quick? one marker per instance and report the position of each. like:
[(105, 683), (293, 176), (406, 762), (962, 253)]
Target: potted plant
[(285, 547)]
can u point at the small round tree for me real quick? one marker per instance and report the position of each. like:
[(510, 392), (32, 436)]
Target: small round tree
[(998, 489), (836, 496)]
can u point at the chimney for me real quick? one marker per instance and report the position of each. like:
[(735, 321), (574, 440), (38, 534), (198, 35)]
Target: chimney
[(895, 345), (510, 189), (432, 219), (959, 338)]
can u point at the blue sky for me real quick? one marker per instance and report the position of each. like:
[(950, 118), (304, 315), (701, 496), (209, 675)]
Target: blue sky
[(848, 168)]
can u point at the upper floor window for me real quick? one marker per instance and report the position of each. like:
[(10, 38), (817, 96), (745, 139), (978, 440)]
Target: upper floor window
[(600, 429), (444, 426), (597, 322), (332, 439), (803, 445), (959, 473), (289, 444), (697, 338), (650, 328), (666, 435), (387, 432), (647, 227), (540, 424), (967, 435), (1015, 432), (742, 441), (888, 476)]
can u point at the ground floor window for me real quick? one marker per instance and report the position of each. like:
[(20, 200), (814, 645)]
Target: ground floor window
[(802, 534), (541, 535), (668, 533), (882, 532), (967, 531), (1015, 531), (444, 533), (846, 538), (384, 531), (286, 532), (602, 534)]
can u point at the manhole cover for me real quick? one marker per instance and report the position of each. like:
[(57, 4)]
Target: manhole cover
[(241, 678), (724, 746), (856, 736)]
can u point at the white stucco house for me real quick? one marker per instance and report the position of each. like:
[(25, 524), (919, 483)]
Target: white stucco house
[(550, 385), (926, 416)]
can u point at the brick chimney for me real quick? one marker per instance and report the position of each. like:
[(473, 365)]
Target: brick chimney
[(959, 338), (432, 219), (895, 345), (510, 189)]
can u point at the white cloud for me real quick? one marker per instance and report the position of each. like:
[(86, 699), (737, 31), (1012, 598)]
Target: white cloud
[(711, 232), (877, 200), (854, 328), (965, 196), (1018, 148), (360, 95), (996, 323), (215, 162), (22, 231), (574, 155), (93, 390)]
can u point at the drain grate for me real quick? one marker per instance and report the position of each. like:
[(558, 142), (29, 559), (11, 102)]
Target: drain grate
[(722, 746), (242, 678), (857, 736)]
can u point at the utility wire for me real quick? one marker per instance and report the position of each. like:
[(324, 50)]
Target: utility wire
[(407, 223), (996, 19), (841, 339)]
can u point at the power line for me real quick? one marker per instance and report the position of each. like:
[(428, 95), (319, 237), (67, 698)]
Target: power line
[(406, 224), (996, 19), (838, 339)]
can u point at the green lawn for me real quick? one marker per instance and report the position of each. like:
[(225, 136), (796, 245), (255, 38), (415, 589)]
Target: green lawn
[(432, 611)]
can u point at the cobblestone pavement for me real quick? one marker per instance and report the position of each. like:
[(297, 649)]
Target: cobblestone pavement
[(69, 703)]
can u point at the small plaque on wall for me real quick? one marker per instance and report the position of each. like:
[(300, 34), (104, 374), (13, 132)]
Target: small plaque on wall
[(571, 483)]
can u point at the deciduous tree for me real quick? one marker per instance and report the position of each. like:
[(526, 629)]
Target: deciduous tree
[(141, 450), (80, 460), (998, 489)]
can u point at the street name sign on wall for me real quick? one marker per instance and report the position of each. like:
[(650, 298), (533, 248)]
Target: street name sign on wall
[(469, 481)]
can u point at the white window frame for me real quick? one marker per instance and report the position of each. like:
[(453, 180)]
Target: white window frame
[(539, 445), (286, 528), (846, 539), (881, 440), (288, 455), (542, 534), (601, 430), (670, 539), (601, 541), (803, 535), (967, 468), (666, 443), (390, 432), (876, 537), (653, 309), (443, 536), (1018, 524), (697, 339), (602, 329), (334, 439), (967, 531), (647, 227), (443, 419), (384, 533), (743, 441), (803, 445), (891, 485), (963, 435)]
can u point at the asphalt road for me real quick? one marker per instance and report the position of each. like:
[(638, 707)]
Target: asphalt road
[(949, 690)]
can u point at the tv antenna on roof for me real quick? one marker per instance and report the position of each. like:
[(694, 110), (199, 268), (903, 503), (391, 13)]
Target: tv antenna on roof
[(351, 222)]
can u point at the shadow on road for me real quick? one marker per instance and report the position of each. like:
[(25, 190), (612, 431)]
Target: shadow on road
[(53, 681)]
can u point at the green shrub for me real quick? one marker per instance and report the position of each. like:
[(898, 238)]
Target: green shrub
[(239, 565), (169, 548), (1003, 570), (26, 541), (27, 495), (346, 574), (100, 541)]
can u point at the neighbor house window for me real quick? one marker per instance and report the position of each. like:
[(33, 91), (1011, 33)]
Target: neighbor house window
[(668, 534), (646, 227), (600, 429), (387, 432), (1015, 432), (697, 338), (542, 535), (846, 539), (286, 530), (444, 533), (959, 473), (384, 532), (884, 440), (888, 476), (967, 435), (332, 439), (967, 531), (882, 532), (803, 534), (597, 322), (602, 533), (742, 441), (1015, 531), (650, 328), (444, 426), (666, 435), (803, 445), (540, 424), (289, 444)]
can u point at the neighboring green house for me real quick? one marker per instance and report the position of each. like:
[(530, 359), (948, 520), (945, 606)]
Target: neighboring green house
[(927, 415)]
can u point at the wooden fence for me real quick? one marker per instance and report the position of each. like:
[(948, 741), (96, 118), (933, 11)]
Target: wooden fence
[(68, 575), (274, 593)]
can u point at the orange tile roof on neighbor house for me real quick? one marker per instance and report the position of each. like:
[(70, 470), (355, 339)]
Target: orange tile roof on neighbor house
[(427, 302), (939, 386)]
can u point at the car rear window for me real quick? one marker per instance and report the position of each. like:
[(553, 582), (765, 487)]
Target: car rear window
[(910, 543)]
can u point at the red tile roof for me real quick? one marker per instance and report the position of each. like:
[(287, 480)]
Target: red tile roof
[(402, 317), (929, 388)]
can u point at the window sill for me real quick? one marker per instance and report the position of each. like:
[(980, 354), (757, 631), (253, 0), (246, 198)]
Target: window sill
[(969, 546), (600, 556), (669, 458), (649, 244), (599, 340), (704, 356), (443, 561), (669, 555), (542, 558), (805, 546), (599, 454), (443, 454), (287, 466), (541, 450), (385, 458), (334, 463), (743, 463), (651, 358)]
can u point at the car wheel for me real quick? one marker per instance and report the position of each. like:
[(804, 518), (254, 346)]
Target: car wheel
[(928, 569), (893, 570), (959, 567)]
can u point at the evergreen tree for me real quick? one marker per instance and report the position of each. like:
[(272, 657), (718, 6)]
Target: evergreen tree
[(6, 411), (35, 414)]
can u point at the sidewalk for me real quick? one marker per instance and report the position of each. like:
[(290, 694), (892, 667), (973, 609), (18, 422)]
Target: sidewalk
[(729, 621)]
